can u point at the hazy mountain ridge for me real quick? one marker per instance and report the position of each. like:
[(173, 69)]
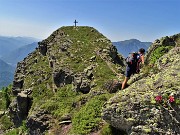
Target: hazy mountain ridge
[(4, 67), (132, 45), (6, 78), (13, 50), (8, 44), (19, 54), (6, 74)]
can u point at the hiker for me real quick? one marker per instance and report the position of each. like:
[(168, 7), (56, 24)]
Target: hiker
[(133, 66)]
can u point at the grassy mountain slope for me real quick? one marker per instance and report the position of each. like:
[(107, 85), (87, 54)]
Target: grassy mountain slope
[(161, 47), (65, 80)]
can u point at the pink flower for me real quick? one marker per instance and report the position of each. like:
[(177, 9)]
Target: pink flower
[(158, 98), (171, 99)]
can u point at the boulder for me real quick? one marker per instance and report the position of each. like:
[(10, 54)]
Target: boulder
[(24, 102), (17, 86), (20, 106), (62, 77), (38, 122), (89, 72), (81, 83), (65, 46), (112, 86), (42, 48)]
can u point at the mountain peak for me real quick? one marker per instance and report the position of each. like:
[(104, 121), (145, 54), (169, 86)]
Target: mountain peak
[(133, 40), (131, 45), (71, 66)]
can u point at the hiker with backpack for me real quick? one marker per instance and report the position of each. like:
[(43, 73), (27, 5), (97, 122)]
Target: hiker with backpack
[(133, 65)]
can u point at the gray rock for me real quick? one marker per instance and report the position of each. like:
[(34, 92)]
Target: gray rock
[(89, 72), (92, 58), (17, 86), (38, 122), (42, 48), (65, 46), (20, 106), (112, 86), (81, 83), (62, 77)]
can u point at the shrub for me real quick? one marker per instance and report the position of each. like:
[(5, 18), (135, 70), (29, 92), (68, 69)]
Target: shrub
[(5, 97), (158, 52)]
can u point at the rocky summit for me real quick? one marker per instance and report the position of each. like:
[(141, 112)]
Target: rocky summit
[(61, 86)]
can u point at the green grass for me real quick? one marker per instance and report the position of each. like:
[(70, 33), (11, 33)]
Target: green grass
[(17, 131), (106, 130), (5, 122), (13, 132), (103, 73), (62, 101), (88, 118), (178, 42), (5, 97)]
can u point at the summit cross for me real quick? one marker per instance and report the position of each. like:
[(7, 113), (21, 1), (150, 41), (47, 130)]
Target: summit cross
[(75, 22)]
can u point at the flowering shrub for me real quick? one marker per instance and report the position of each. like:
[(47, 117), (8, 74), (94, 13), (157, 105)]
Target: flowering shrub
[(171, 99), (165, 101), (158, 98)]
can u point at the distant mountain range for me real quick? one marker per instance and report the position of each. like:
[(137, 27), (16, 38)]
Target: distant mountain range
[(132, 45), (13, 50), (6, 73), (19, 54), (8, 44)]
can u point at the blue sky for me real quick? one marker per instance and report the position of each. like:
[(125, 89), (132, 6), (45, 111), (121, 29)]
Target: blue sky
[(118, 20)]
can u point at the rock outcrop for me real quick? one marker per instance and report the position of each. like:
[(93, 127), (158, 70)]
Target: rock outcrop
[(165, 42), (39, 122), (150, 105)]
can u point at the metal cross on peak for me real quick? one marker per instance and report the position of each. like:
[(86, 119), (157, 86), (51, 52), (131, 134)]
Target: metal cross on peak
[(75, 22)]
